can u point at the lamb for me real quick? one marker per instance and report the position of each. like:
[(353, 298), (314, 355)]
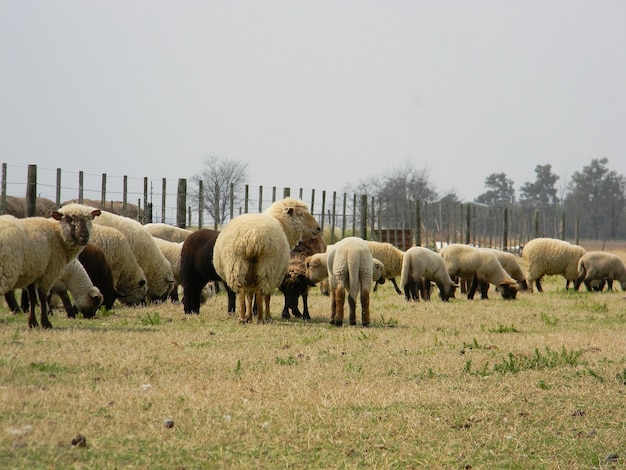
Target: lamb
[(352, 267), (483, 266), (548, 256), (251, 252), (296, 284), (197, 269), (511, 266), (99, 271), (34, 251), (420, 264), (128, 277), (317, 267), (171, 251), (167, 232), (87, 297), (155, 266), (391, 257), (601, 266)]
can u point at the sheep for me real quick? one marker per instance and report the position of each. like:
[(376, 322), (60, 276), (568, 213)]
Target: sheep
[(99, 271), (601, 266), (352, 267), (171, 251), (167, 232), (317, 267), (128, 277), (549, 256), (483, 266), (296, 284), (154, 264), (511, 266), (87, 297), (391, 257), (197, 269), (34, 251), (251, 252), (420, 264)]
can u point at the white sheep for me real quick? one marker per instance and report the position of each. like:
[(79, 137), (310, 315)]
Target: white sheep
[(167, 232), (550, 256), (424, 265), (34, 251), (511, 266), (86, 297), (601, 266), (155, 266), (391, 257), (251, 252), (352, 268), (481, 266), (128, 277)]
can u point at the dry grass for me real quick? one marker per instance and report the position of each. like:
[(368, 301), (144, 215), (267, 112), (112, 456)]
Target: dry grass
[(539, 382)]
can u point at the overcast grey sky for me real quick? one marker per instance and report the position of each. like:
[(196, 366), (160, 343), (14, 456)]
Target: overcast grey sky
[(314, 94)]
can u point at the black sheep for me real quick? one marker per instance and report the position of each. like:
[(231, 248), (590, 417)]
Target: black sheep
[(196, 269)]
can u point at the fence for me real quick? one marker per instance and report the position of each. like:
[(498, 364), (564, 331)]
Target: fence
[(403, 223)]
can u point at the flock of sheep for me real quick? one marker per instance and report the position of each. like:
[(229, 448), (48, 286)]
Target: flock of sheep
[(101, 258)]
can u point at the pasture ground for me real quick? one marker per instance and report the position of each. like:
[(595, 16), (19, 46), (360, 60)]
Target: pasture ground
[(539, 382)]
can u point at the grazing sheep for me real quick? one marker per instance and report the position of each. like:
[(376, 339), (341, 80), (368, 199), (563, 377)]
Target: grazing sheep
[(34, 251), (549, 256), (155, 266), (171, 251), (197, 269), (128, 277), (167, 232), (601, 266), (16, 206), (252, 252), (296, 284), (483, 266), (352, 267), (511, 266), (99, 271), (317, 267), (423, 265), (391, 257), (86, 297)]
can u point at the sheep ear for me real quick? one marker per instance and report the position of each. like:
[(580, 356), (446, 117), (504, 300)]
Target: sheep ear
[(56, 215), (95, 213), (290, 210)]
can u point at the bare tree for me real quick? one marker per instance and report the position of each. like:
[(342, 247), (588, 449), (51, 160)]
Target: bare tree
[(218, 176)]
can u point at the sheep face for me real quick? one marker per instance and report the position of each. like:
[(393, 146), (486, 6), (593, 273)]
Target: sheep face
[(310, 226), (76, 227), (508, 290), (446, 294)]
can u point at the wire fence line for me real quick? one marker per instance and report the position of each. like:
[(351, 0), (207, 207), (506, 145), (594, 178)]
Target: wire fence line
[(403, 223)]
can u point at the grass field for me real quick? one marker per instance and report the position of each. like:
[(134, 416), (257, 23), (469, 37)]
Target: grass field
[(539, 382)]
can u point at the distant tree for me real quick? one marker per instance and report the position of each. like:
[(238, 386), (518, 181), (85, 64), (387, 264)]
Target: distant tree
[(450, 197), (597, 195), (500, 192), (217, 176), (542, 194)]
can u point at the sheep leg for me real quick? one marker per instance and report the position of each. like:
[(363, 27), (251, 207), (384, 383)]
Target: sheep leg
[(484, 289), (266, 317), (408, 291), (365, 305), (245, 306), (352, 308), (285, 313), (259, 302), (395, 285), (11, 301), (43, 301), (339, 299), (472, 290), (305, 306), (32, 317), (70, 309), (609, 283), (538, 284), (587, 283)]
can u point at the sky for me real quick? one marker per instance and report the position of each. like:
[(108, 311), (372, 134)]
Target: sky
[(314, 94)]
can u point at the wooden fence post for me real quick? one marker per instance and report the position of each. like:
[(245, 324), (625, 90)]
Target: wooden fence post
[(323, 209), (332, 218), (286, 192), (260, 199), (57, 202), (181, 203), (232, 200), (80, 186), (562, 227), (364, 216), (418, 223), (200, 205), (246, 198), (31, 191), (216, 205), (103, 193), (343, 218), (163, 199), (468, 215), (125, 197), (3, 196), (146, 216), (505, 230)]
